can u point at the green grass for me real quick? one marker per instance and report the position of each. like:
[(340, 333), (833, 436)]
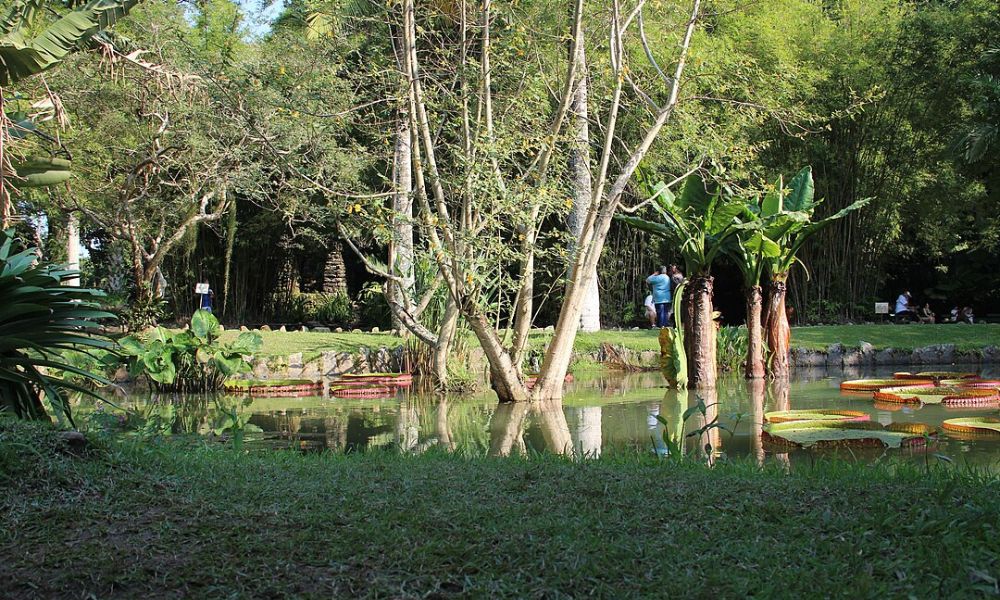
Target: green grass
[(903, 337), (135, 520)]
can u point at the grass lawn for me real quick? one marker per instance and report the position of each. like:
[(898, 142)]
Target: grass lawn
[(133, 520), (903, 337)]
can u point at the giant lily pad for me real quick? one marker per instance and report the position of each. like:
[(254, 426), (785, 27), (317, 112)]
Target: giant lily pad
[(948, 396), (935, 375), (979, 384), (989, 426), (871, 385), (820, 414), (820, 434)]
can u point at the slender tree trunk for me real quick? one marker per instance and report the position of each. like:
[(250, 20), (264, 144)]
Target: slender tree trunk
[(73, 248), (401, 248), (583, 191), (754, 367), (5, 204), (446, 334), (701, 356), (778, 332)]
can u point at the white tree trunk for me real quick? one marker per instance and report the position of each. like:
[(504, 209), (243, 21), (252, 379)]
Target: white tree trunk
[(73, 248), (583, 191), (401, 248)]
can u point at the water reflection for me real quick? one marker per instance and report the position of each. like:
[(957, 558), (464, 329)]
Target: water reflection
[(600, 413)]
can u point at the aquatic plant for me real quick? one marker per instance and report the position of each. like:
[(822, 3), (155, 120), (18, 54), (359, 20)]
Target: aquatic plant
[(935, 375), (819, 414), (806, 434), (948, 396), (190, 360), (872, 385), (977, 426)]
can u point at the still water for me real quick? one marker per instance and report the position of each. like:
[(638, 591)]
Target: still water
[(600, 413)]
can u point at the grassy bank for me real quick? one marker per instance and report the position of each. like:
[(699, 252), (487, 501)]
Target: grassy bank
[(146, 521), (903, 337)]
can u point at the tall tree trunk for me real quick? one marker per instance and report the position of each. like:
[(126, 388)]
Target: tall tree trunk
[(701, 355), (401, 248), (754, 367), (583, 191), (73, 248), (5, 203), (778, 332)]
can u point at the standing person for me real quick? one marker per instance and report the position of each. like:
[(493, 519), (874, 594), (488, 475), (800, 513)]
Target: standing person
[(660, 284), (207, 300), (650, 310), (676, 279)]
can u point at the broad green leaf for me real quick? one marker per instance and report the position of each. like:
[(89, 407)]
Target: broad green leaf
[(204, 325), (801, 190)]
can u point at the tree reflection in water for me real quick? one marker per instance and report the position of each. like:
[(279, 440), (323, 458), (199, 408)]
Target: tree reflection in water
[(702, 425), (588, 431), (757, 389), (780, 393), (509, 422)]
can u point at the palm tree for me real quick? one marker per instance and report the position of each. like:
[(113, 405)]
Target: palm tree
[(699, 224)]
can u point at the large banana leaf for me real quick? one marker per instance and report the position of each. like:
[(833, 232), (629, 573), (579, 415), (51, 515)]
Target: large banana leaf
[(22, 56)]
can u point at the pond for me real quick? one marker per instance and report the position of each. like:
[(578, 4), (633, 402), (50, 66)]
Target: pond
[(601, 412)]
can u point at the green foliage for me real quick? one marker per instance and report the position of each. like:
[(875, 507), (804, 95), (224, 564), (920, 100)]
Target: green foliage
[(40, 320), (190, 360), (673, 358), (698, 223), (66, 27), (731, 347)]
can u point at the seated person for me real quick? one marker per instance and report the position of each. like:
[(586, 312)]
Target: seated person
[(903, 310), (926, 314), (967, 316)]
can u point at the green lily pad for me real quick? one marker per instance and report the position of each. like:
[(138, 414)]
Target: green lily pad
[(976, 425), (831, 433), (820, 414)]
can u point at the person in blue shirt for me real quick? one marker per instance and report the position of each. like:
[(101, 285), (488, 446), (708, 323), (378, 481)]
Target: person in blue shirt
[(659, 281), (207, 300)]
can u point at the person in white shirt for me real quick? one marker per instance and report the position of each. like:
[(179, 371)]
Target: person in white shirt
[(650, 310), (903, 310)]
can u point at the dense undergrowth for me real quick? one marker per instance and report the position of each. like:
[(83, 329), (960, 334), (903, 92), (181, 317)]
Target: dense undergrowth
[(140, 519)]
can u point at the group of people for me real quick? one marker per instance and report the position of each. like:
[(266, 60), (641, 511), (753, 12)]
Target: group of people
[(905, 310), (662, 284)]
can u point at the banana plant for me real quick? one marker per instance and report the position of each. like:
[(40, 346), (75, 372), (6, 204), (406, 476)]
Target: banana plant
[(42, 322), (699, 223), (786, 214), (36, 35)]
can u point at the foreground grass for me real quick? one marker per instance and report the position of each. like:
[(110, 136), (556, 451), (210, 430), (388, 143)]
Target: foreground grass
[(145, 521), (903, 337)]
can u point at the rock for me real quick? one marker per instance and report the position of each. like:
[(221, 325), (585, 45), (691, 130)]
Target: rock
[(304, 329), (339, 330), (74, 441), (282, 329), (295, 360), (802, 357), (889, 356), (928, 355), (550, 328), (321, 329), (835, 355), (265, 327), (222, 327), (649, 358), (244, 328), (355, 331), (375, 330), (635, 329), (946, 353)]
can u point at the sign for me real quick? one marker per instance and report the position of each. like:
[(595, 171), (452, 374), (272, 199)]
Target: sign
[(881, 308), (202, 288)]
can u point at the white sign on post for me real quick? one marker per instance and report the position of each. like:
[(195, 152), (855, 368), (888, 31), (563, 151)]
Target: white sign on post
[(881, 308), (201, 288)]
